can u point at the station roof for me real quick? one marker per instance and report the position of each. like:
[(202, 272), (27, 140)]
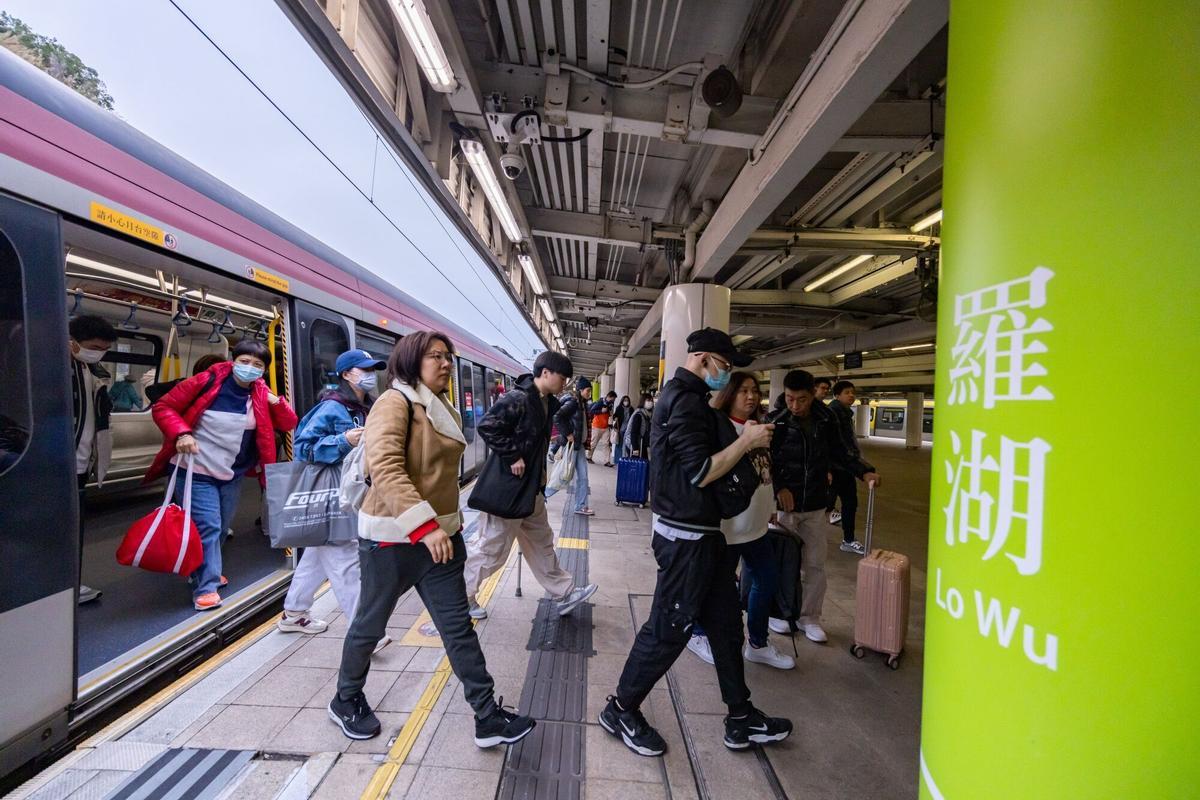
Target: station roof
[(809, 201)]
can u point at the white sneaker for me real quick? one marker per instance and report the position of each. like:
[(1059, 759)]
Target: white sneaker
[(301, 622), (814, 633), (835, 517), (854, 547), (766, 655), (87, 594), (477, 612), (382, 643), (577, 596), (780, 626), (700, 646)]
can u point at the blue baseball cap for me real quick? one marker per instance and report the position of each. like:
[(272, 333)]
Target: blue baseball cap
[(357, 358)]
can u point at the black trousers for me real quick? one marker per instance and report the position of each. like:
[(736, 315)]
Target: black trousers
[(845, 488), (387, 573), (696, 583)]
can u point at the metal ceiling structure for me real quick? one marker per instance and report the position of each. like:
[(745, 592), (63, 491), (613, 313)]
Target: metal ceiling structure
[(643, 169)]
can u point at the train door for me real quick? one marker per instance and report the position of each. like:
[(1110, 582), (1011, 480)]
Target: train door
[(320, 337), (39, 545)]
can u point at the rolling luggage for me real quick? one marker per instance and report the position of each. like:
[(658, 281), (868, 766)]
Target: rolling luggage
[(633, 482), (882, 593)]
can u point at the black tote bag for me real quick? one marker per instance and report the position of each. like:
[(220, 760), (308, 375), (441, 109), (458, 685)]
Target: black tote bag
[(500, 493)]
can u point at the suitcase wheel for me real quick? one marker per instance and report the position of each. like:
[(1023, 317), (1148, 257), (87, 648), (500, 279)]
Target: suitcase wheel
[(893, 662), (857, 651)]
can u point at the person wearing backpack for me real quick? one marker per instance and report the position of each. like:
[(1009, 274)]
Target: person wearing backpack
[(326, 435), (636, 436), (746, 535), (696, 569), (410, 535), (517, 431)]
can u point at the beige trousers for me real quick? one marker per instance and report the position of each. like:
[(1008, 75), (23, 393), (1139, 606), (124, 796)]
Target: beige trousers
[(601, 437), (813, 530), (487, 552)]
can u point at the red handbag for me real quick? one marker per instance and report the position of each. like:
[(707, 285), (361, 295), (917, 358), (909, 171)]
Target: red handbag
[(165, 540)]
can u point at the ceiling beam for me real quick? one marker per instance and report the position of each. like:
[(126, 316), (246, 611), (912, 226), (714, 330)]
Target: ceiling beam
[(876, 43), (907, 332), (873, 281), (595, 228), (883, 366), (607, 290)]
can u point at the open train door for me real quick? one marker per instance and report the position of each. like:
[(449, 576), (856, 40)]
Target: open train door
[(39, 522)]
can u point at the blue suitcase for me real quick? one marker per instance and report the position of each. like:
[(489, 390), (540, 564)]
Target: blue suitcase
[(633, 481)]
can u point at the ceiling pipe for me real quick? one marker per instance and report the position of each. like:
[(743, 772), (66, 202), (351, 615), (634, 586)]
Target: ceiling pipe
[(691, 232)]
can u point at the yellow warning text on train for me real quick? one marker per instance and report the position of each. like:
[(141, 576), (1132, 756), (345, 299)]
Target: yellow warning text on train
[(111, 218), (267, 279)]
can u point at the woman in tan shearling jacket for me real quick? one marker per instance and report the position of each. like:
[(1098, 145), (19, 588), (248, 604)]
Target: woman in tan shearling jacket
[(410, 535)]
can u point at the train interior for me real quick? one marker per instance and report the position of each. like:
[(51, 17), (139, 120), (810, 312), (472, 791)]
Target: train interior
[(168, 315)]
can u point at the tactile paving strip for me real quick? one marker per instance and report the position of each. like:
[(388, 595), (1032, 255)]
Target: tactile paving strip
[(187, 774), (548, 764)]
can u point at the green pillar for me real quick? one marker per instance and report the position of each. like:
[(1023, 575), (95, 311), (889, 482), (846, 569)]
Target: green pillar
[(1063, 616)]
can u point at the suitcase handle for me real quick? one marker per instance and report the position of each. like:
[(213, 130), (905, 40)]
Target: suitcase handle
[(870, 516)]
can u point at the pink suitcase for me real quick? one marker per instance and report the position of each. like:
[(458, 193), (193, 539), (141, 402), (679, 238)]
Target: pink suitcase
[(881, 617)]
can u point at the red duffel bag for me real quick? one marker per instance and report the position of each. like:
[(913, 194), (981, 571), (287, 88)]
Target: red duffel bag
[(165, 540)]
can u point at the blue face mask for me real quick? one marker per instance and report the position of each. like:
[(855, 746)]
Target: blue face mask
[(368, 383), (719, 381), (246, 373)]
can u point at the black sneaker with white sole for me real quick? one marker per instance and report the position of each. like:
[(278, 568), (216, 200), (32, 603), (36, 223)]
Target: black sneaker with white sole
[(354, 717), (502, 727), (632, 728), (755, 728)]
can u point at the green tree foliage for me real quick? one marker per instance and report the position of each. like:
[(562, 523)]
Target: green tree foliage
[(50, 56)]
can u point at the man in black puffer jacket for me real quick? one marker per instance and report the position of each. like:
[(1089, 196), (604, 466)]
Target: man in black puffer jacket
[(806, 448), (517, 429)]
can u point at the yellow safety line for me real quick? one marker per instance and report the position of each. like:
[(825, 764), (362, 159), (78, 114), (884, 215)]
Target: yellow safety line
[(385, 776), (574, 544)]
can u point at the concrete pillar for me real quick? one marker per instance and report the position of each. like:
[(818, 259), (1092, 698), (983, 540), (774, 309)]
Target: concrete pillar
[(862, 420), (913, 419), (606, 383), (776, 386), (688, 307), (627, 382)]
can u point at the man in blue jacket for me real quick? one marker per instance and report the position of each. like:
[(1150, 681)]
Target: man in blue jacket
[(696, 571)]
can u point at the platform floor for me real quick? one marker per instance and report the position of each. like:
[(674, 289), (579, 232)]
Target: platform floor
[(857, 723)]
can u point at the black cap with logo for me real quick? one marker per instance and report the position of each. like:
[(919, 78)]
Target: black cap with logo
[(711, 340)]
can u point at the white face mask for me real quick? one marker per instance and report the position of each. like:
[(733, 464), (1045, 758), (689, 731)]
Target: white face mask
[(90, 356)]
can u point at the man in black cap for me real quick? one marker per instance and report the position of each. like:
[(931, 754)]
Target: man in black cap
[(695, 568)]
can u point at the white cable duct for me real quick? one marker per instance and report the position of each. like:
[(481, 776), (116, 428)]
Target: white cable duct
[(650, 83), (689, 237)]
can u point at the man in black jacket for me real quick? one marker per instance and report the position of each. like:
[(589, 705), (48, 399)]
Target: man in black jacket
[(573, 423), (806, 447), (844, 487), (517, 429), (696, 580)]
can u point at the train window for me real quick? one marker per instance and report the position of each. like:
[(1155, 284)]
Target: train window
[(495, 387), (927, 422), (467, 396), (128, 362), (328, 341), (15, 407)]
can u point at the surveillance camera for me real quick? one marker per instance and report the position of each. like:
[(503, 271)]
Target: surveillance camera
[(513, 165)]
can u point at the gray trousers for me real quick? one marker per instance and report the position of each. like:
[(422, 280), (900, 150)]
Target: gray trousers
[(387, 573)]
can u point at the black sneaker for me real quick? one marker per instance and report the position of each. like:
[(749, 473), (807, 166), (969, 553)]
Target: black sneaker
[(633, 729), (502, 727), (354, 717), (755, 728)]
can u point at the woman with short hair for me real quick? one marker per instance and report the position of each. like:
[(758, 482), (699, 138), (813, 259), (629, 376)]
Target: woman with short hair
[(225, 419), (410, 535)]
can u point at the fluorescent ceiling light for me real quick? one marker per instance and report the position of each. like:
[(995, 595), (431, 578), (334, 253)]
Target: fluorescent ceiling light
[(530, 270), (741, 339), (217, 300), (427, 48), (109, 269), (557, 330), (547, 309), (477, 158), (827, 277), (818, 341), (927, 222), (912, 346)]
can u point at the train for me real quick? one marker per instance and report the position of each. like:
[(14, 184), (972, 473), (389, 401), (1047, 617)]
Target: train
[(887, 419), (97, 218)]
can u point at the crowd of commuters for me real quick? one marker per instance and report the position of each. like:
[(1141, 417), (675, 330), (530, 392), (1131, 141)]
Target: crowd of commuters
[(723, 472)]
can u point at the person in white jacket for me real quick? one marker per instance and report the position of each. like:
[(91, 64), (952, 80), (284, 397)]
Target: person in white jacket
[(741, 400)]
